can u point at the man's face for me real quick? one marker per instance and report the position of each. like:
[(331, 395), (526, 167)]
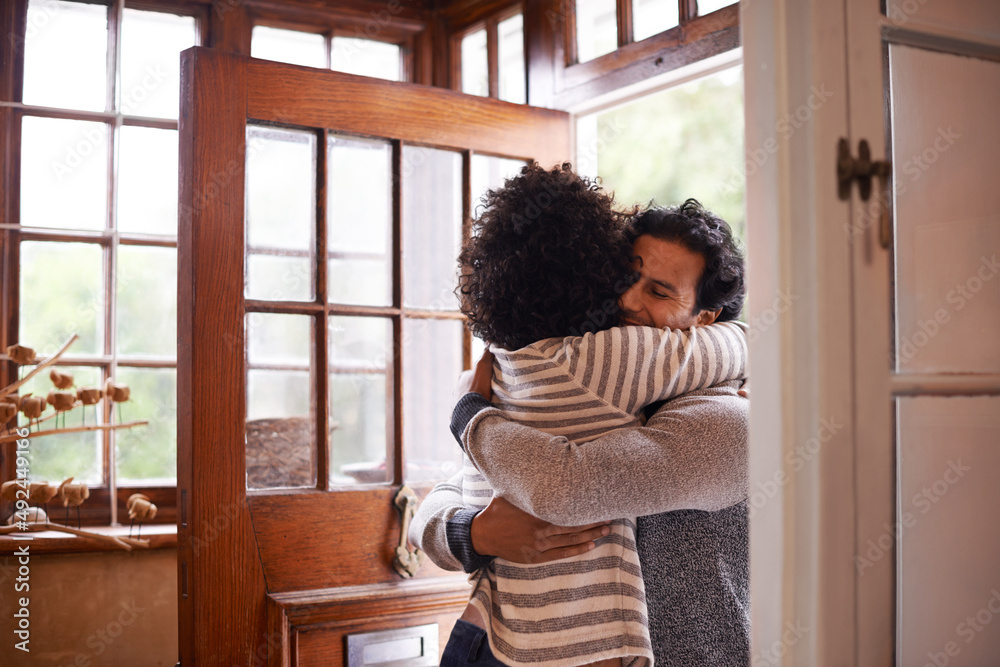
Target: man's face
[(667, 289)]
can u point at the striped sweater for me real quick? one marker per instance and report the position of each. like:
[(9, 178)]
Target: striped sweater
[(592, 607)]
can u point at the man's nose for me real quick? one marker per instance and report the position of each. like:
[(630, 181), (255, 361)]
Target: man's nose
[(629, 301)]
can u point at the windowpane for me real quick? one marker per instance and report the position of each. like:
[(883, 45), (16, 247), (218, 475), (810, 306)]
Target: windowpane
[(147, 180), (77, 455), (359, 218), (699, 124), (709, 6), (596, 28), (510, 53), (150, 69), (651, 17), (367, 57), (432, 226), (288, 46), (360, 351), (148, 454), (475, 70), (281, 214), (432, 361), (62, 293), (64, 173), (65, 55), (147, 301), (281, 426), (489, 173)]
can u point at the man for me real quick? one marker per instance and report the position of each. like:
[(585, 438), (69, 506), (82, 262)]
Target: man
[(686, 468)]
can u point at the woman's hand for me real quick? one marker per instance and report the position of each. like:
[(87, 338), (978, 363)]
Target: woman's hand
[(479, 379)]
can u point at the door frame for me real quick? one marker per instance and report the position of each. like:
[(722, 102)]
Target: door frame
[(256, 567)]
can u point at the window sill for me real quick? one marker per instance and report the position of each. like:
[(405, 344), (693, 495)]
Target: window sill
[(161, 536)]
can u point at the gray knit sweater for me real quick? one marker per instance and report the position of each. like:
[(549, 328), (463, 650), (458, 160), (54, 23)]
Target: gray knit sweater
[(686, 470)]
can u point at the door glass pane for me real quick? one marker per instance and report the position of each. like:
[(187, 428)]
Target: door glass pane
[(709, 6), (281, 422), (62, 293), (949, 582), (64, 173), (359, 221), (475, 71), (150, 69), (366, 57), (146, 316), (148, 454), (596, 28), (288, 46), (651, 17), (360, 354), (510, 53), (947, 210), (65, 55), (432, 361), (432, 226), (981, 17), (489, 173), (281, 214), (77, 455), (147, 180)]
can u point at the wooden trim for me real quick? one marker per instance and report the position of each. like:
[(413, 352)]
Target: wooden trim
[(687, 10), (53, 542), (569, 33), (463, 15), (492, 59), (394, 383), (322, 321), (672, 49), (345, 102), (218, 566), (945, 384), (624, 18)]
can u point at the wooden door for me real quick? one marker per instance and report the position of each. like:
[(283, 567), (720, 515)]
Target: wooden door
[(306, 302)]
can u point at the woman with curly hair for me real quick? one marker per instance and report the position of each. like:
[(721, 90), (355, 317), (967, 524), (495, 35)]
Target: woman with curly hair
[(540, 281)]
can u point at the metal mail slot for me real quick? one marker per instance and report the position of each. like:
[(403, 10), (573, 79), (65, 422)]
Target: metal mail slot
[(416, 646)]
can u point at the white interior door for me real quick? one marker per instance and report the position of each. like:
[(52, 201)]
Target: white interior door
[(930, 386)]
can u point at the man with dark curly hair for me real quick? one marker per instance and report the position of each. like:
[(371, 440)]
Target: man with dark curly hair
[(523, 239)]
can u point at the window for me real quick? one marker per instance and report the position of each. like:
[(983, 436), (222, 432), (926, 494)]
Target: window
[(97, 231), (491, 58), (685, 141), (603, 26), (341, 52)]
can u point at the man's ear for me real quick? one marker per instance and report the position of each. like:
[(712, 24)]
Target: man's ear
[(707, 317)]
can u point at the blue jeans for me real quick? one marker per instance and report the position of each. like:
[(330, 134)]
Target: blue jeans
[(468, 645)]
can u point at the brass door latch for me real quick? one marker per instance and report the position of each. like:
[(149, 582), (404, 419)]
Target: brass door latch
[(862, 169), (407, 560)]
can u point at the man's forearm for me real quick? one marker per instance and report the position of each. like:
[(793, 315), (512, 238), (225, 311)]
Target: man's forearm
[(662, 467)]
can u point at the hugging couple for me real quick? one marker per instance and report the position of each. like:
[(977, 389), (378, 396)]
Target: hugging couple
[(601, 510)]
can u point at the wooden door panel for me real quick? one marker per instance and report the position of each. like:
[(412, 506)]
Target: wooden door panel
[(328, 538), (283, 576)]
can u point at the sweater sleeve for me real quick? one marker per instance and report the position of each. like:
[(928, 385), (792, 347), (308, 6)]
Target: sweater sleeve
[(692, 454), (631, 367), (442, 526)]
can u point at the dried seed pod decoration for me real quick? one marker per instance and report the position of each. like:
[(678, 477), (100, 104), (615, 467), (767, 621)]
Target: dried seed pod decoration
[(72, 495), (14, 399), (140, 508), (61, 380), (32, 406), (89, 395), (7, 412), (9, 490), (61, 400), (20, 354), (41, 492), (117, 392)]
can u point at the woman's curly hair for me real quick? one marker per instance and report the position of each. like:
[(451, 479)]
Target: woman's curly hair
[(722, 284), (548, 257)]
